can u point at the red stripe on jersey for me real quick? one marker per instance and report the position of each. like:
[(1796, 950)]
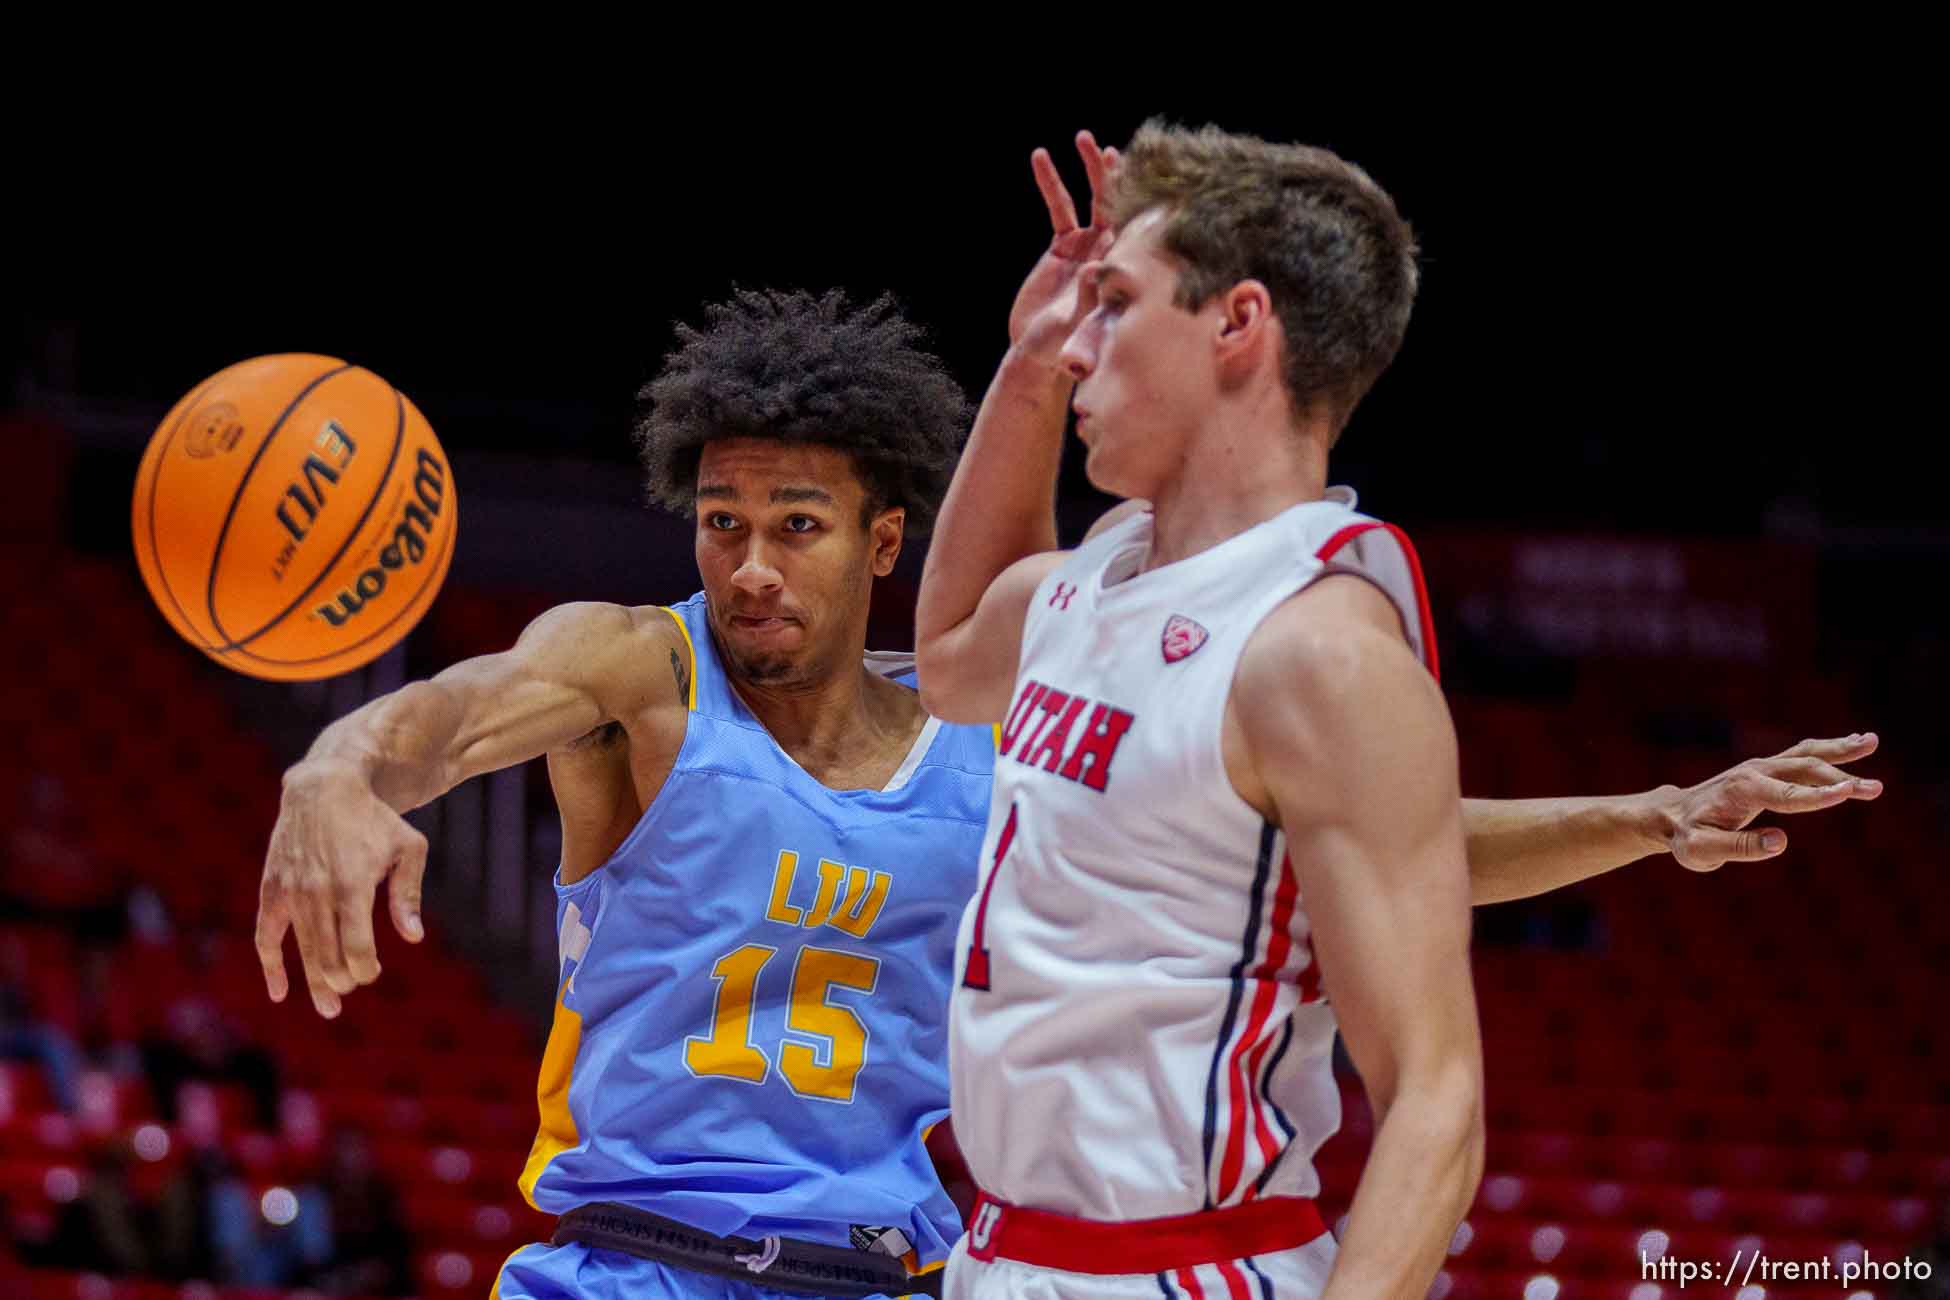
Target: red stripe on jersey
[(1342, 538), (1424, 620), (1269, 1147), (1421, 601), (1310, 982), (1277, 951), (1235, 1281), (1188, 1283), (1238, 1083)]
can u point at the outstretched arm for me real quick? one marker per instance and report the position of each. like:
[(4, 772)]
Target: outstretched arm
[(998, 523), (1522, 847), (339, 830)]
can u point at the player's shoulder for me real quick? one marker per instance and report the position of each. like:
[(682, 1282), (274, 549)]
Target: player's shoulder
[(1330, 643), (595, 624), (607, 647)]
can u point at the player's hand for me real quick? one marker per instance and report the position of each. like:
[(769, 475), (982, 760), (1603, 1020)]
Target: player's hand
[(1053, 299), (1709, 825), (334, 842)]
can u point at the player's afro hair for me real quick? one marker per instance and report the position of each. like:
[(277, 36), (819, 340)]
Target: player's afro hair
[(800, 368)]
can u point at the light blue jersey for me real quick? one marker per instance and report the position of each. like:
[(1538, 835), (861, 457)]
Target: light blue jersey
[(750, 1031)]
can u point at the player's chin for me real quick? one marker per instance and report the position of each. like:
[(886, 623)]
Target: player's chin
[(767, 666), (1101, 469), (763, 659)]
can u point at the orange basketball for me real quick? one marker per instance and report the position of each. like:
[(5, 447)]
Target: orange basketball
[(294, 517)]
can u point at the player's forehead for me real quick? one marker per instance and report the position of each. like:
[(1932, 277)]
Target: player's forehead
[(1139, 250), (758, 470)]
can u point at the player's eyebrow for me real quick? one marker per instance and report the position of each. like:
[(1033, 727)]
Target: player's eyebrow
[(1097, 272), (787, 495), (722, 491)]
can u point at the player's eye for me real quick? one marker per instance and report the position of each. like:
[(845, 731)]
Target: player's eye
[(800, 523), (720, 521)]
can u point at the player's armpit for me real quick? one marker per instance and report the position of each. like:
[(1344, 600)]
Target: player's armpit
[(967, 671), (1351, 742)]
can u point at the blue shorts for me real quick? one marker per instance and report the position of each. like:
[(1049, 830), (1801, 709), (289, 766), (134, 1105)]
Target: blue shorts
[(579, 1272)]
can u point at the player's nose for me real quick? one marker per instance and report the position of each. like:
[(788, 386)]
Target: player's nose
[(1079, 354), (756, 573)]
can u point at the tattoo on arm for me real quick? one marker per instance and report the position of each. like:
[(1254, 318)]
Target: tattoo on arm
[(683, 675)]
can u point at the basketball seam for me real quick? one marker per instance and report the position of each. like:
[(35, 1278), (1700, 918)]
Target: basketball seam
[(386, 476), (189, 408)]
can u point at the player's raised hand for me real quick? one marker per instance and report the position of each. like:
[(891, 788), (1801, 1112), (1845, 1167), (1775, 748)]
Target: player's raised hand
[(335, 840), (1711, 822), (1053, 298)]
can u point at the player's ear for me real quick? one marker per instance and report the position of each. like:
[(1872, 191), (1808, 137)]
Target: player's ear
[(1244, 322), (886, 529)]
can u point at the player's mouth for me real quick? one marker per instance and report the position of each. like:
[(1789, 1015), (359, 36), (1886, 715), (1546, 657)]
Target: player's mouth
[(761, 623)]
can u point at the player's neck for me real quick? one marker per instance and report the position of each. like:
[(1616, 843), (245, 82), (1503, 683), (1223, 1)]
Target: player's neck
[(1234, 476), (841, 728)]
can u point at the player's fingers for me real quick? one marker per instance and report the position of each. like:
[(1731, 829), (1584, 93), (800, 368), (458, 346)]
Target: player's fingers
[(403, 888), (1835, 749), (1703, 848), (318, 951), (272, 922), (1056, 195), (1799, 797), (1815, 771), (356, 940), (1097, 167)]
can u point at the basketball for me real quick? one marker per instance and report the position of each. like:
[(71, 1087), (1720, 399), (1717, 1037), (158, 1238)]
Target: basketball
[(294, 517)]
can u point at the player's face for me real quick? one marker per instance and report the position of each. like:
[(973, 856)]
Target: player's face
[(787, 565), (1144, 365)]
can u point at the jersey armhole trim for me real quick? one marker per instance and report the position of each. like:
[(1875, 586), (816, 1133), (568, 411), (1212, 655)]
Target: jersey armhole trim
[(1425, 620), (690, 649)]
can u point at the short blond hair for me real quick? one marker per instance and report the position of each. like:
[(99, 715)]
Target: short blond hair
[(1325, 240)]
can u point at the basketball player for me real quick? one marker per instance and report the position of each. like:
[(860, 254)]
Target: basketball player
[(1226, 820), (766, 844), (766, 841)]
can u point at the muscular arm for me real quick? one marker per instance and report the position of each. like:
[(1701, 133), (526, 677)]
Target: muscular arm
[(566, 675), (1521, 847), (1352, 744), (339, 830)]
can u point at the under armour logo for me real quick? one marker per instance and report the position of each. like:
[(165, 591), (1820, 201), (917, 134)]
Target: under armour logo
[(984, 1226), (1060, 598), (763, 1258), (1182, 637)]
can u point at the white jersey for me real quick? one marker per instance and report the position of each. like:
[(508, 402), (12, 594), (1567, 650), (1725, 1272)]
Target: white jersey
[(1138, 1028)]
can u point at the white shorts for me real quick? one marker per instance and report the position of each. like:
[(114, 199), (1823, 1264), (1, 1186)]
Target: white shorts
[(1296, 1274)]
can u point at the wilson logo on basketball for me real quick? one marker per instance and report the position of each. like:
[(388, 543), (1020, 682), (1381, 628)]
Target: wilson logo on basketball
[(1182, 637), (409, 544)]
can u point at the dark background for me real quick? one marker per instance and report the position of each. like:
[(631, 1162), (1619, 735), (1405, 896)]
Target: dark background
[(1649, 306), (1662, 428)]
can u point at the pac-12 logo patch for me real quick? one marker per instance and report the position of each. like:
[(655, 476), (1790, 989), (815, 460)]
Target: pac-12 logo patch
[(1182, 637)]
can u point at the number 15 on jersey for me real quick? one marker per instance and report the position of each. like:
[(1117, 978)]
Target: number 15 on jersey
[(728, 1052)]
